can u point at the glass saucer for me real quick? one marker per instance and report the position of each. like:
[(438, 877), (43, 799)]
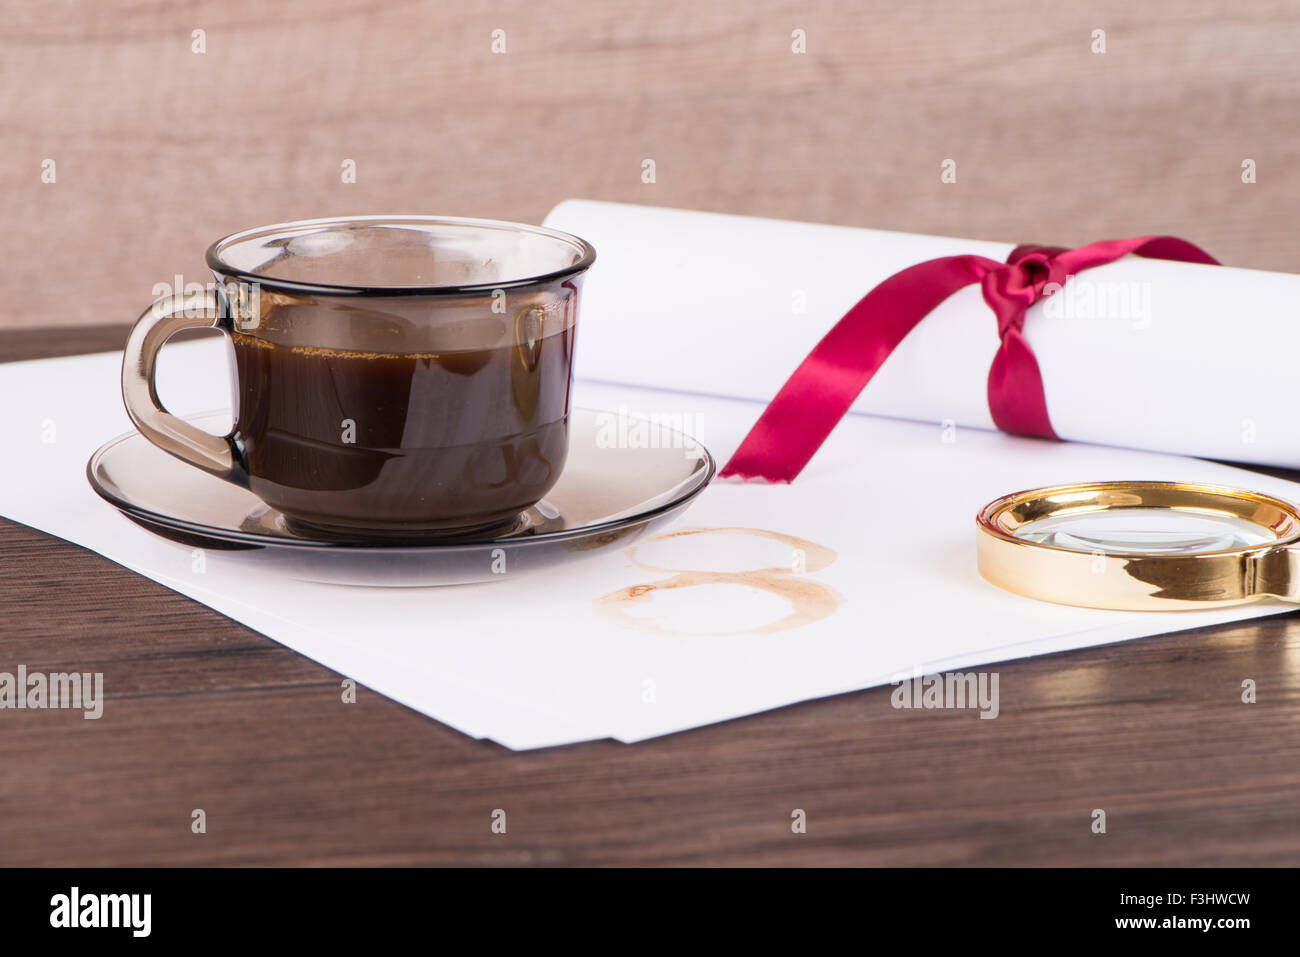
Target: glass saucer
[(619, 482)]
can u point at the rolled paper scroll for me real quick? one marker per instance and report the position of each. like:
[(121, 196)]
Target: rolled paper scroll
[(1145, 353)]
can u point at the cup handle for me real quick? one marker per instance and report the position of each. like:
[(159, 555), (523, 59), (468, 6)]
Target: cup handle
[(214, 454)]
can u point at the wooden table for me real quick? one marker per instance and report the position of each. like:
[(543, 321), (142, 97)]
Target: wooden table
[(204, 713)]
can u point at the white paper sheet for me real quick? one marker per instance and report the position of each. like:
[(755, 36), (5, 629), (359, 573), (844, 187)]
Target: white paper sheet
[(536, 660), (1164, 356)]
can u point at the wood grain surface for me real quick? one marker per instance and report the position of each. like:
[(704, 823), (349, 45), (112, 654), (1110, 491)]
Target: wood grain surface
[(201, 712), (158, 150)]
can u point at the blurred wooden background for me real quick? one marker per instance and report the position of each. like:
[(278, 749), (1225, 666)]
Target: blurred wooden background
[(158, 149)]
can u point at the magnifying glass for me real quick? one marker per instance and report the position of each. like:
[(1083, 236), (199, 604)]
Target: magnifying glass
[(1142, 546)]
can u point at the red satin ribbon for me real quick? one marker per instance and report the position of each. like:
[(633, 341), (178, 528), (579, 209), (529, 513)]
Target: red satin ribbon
[(829, 380)]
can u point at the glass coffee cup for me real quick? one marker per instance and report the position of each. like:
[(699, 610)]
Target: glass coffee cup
[(404, 376)]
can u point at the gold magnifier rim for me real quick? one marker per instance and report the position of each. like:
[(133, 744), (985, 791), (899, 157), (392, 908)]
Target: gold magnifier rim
[(1137, 581)]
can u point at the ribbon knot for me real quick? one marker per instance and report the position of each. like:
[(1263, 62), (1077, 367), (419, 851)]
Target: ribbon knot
[(829, 380), (1011, 289)]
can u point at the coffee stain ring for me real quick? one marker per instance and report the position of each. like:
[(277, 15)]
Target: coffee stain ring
[(809, 600)]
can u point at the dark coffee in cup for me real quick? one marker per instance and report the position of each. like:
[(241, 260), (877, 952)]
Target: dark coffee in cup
[(453, 439), (404, 376)]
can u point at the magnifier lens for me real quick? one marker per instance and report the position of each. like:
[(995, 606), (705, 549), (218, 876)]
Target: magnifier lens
[(1145, 531), (1141, 545)]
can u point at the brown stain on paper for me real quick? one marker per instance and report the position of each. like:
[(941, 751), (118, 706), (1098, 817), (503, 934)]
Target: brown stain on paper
[(809, 600)]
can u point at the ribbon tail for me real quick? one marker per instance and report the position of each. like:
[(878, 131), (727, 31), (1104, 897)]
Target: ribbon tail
[(1015, 389), (819, 393)]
